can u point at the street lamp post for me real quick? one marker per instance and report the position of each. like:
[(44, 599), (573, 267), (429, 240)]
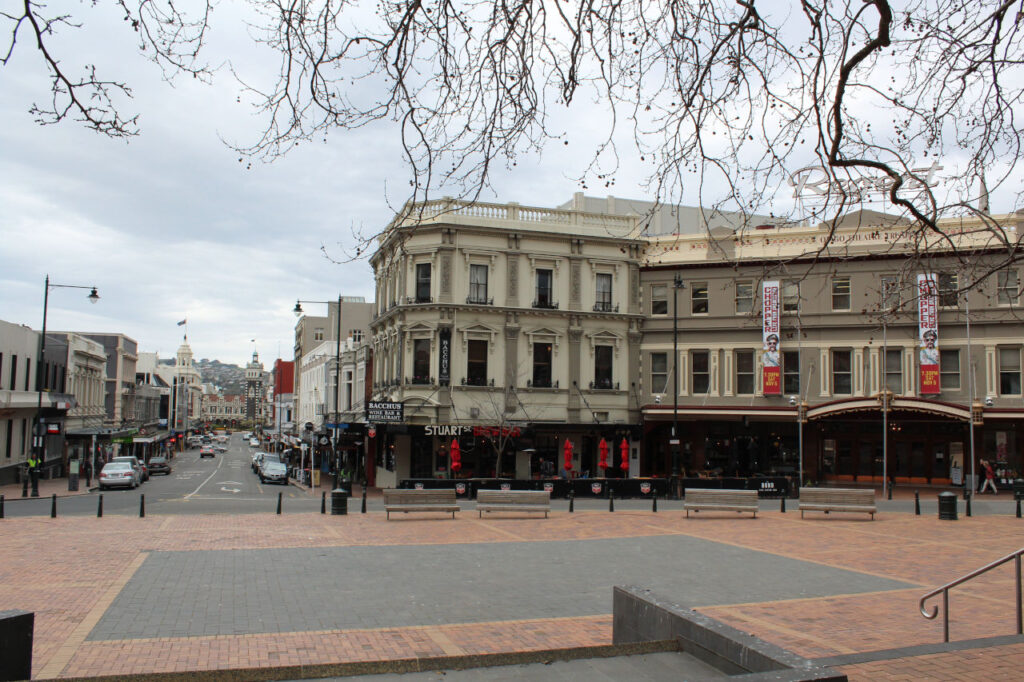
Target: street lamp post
[(677, 284), (39, 429), (337, 370)]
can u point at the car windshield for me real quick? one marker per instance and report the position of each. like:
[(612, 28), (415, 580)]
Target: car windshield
[(274, 466), (271, 458), (157, 460), (130, 460), (117, 466)]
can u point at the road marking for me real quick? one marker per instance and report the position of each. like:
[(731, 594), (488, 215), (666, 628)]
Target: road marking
[(230, 490), (206, 481), (60, 660), (230, 483)]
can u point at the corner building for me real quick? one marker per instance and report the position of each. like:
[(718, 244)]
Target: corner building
[(511, 329)]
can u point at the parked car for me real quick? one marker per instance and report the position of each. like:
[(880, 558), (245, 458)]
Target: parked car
[(206, 451), (254, 442), (118, 475), (256, 457), (220, 447), (273, 472), (159, 465), (136, 465)]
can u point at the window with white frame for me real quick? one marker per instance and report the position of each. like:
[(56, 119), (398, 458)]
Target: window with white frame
[(659, 373), (1007, 287), (1009, 371), (542, 364), (840, 293), (699, 300), (949, 369), (893, 368), (949, 283), (423, 282), (744, 296), (842, 372), (603, 367), (700, 371), (659, 299), (790, 297), (478, 283), (745, 372), (791, 372), (890, 292), (545, 288), (476, 362), (318, 334)]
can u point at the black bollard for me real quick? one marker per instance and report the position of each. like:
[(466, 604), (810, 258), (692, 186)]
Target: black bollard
[(654, 504), (53, 506), (323, 503), (99, 507), (279, 503), (24, 486), (571, 498), (968, 510), (917, 504), (142, 506), (2, 506), (611, 503), (362, 510), (2, 509), (782, 505), (890, 490)]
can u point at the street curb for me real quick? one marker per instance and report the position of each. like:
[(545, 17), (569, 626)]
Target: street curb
[(399, 665)]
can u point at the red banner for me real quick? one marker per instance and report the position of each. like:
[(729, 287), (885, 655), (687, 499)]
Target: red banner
[(771, 372), (928, 333)]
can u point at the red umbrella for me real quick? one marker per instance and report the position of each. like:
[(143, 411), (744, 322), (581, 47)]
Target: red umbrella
[(603, 447), (456, 456), (568, 456), (624, 448)]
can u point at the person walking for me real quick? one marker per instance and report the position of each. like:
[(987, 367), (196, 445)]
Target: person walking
[(990, 477)]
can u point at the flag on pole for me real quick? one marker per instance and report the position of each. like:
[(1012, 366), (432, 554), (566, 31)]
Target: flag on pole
[(183, 322)]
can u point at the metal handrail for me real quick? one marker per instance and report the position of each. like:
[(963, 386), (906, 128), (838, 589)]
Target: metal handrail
[(974, 574)]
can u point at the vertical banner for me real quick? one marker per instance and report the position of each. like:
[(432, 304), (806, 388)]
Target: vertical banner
[(928, 333), (444, 360), (771, 369)]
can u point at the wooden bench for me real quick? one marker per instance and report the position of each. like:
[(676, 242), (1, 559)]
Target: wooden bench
[(405, 501), (838, 499), (711, 499), (513, 501)]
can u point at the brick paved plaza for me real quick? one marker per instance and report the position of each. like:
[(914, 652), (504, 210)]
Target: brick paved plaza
[(122, 595)]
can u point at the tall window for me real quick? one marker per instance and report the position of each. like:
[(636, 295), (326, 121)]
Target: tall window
[(545, 295), (1008, 287), (1009, 371), (423, 282), (700, 372), (542, 365), (476, 363), (14, 372), (699, 298), (842, 372), (318, 334), (421, 361), (745, 372), (478, 284), (948, 285), (356, 334), (949, 369), (744, 296), (28, 372), (659, 373), (840, 293), (603, 294), (894, 370), (791, 372), (602, 367), (790, 297), (659, 299), (890, 291)]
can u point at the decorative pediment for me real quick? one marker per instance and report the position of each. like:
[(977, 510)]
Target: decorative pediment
[(605, 338), (543, 335), (480, 332)]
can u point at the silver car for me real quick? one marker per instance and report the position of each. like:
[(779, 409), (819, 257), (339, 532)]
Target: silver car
[(118, 475), (272, 471)]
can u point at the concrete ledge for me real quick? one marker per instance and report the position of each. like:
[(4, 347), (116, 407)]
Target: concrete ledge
[(401, 665), (640, 616), (16, 633)]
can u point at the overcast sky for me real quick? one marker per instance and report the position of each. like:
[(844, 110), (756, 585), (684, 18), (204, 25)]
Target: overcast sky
[(170, 226)]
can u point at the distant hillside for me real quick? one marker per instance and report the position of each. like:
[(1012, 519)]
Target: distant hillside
[(230, 378)]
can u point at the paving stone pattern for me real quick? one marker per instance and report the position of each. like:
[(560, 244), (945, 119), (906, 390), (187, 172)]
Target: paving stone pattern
[(176, 594)]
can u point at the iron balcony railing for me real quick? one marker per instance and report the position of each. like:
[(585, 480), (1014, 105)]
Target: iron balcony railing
[(944, 591)]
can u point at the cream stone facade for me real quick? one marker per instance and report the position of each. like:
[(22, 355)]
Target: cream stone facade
[(522, 324)]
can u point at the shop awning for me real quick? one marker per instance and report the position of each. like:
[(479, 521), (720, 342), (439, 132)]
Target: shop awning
[(158, 437)]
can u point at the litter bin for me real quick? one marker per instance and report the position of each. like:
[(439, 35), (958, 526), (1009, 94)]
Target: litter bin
[(339, 501), (947, 506)]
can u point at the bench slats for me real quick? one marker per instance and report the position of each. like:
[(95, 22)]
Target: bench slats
[(405, 501), (838, 499), (711, 499), (513, 500)]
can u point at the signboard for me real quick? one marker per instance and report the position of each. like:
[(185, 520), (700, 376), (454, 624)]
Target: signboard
[(928, 333), (385, 413), (771, 371), (444, 361), (814, 182)]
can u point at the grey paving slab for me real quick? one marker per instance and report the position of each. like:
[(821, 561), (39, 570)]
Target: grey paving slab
[(296, 589)]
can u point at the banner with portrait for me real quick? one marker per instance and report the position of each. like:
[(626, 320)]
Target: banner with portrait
[(928, 333), (771, 368)]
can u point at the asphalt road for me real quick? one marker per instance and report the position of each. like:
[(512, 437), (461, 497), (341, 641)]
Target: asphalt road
[(223, 484)]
